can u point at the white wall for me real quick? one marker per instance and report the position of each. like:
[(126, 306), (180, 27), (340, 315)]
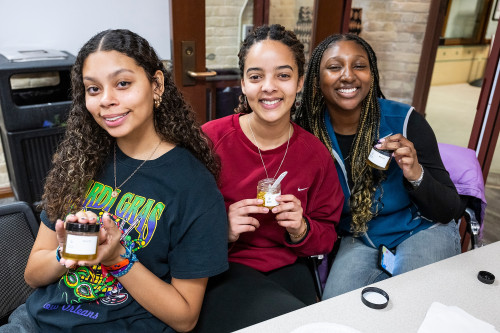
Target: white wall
[(67, 24)]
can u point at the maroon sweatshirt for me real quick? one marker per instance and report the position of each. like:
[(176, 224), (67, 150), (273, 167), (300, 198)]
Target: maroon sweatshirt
[(312, 178)]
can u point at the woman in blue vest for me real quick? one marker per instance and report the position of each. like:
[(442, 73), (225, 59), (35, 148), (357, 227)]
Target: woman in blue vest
[(410, 206)]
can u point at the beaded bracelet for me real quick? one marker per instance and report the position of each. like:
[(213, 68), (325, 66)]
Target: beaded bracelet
[(125, 265), (123, 271), (58, 254), (117, 266)]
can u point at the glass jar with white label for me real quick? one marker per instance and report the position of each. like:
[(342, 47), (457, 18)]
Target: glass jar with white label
[(379, 159), (267, 193), (81, 241)]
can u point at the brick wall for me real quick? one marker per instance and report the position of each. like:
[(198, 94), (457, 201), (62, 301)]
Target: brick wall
[(222, 32), (221, 28), (395, 30), (286, 12)]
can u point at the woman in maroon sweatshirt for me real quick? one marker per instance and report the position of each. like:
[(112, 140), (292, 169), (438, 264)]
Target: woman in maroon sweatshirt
[(268, 274)]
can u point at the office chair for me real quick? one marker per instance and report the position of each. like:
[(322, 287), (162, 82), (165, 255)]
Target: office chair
[(18, 229), (465, 172)]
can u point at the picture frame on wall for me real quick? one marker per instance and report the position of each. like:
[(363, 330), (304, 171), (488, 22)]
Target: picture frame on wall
[(496, 13)]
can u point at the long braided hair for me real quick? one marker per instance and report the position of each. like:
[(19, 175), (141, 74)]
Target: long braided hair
[(275, 32), (85, 147), (311, 117)]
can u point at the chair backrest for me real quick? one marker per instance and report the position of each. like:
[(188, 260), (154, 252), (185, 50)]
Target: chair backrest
[(466, 173), (18, 229)]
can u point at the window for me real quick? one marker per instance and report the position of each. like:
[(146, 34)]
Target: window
[(466, 22)]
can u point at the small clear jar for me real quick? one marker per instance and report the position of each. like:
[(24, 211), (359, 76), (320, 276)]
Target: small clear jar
[(378, 158), (268, 194), (81, 241)]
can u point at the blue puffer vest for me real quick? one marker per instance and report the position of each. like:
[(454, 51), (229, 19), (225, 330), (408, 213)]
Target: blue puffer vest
[(398, 218)]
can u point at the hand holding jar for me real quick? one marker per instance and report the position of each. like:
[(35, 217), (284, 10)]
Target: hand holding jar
[(83, 242), (239, 217), (404, 154), (289, 215), (287, 208)]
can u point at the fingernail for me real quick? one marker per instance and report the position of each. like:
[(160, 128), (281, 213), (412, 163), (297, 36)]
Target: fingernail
[(378, 146), (275, 210), (260, 201), (381, 140)]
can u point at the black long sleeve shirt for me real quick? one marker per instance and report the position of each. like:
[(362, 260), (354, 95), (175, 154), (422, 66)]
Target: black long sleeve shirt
[(436, 197)]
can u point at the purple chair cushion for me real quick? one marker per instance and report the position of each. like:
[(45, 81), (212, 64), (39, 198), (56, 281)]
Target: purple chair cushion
[(465, 172)]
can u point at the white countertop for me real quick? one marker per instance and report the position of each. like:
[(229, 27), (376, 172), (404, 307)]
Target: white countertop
[(451, 282)]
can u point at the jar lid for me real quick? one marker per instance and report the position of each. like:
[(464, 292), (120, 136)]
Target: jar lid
[(486, 277), (80, 227), (374, 298)]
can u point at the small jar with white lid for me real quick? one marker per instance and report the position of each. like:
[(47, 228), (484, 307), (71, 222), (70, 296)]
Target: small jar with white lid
[(81, 241)]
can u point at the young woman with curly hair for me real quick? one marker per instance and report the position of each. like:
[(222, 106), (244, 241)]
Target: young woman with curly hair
[(409, 207), (268, 275), (134, 161)]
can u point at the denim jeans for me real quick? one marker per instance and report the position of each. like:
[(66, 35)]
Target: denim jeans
[(355, 264), (19, 322)]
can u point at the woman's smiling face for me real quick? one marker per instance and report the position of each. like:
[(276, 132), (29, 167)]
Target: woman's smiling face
[(118, 94), (345, 76), (271, 80)]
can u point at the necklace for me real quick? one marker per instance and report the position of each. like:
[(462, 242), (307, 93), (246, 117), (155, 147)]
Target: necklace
[(114, 194), (260, 154)]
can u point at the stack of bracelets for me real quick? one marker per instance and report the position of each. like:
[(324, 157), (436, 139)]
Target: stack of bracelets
[(121, 268), (124, 266)]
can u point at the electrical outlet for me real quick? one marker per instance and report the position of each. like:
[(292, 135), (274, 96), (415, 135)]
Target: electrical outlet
[(247, 29)]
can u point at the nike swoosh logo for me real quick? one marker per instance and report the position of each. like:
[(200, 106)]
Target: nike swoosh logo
[(302, 189)]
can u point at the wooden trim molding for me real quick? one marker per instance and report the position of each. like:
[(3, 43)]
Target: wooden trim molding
[(486, 125), (330, 16), (6, 192), (260, 12), (437, 13), (184, 29)]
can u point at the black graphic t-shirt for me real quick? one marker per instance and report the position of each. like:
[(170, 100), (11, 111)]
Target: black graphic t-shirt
[(167, 209)]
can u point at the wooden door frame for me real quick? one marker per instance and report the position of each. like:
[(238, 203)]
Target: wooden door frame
[(484, 135), (435, 22), (260, 12), (330, 16), (486, 127), (182, 10), (325, 25)]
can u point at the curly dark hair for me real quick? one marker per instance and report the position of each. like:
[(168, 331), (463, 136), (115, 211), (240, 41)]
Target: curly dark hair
[(311, 117), (275, 32), (82, 153)]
